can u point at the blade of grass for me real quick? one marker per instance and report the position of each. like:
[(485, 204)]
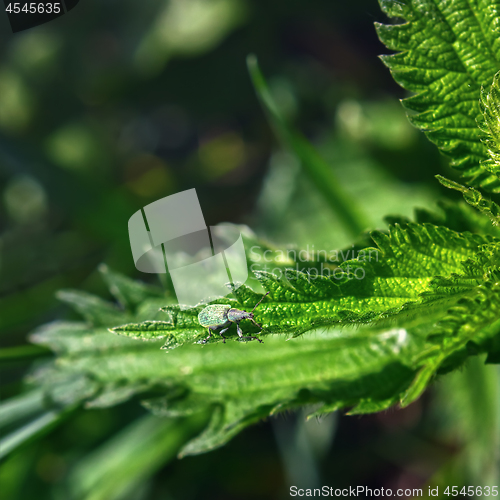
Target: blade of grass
[(20, 407), (132, 456), (25, 433), (314, 165), (23, 352)]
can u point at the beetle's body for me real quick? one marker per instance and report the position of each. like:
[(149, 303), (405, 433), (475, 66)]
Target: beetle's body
[(220, 316), (214, 316)]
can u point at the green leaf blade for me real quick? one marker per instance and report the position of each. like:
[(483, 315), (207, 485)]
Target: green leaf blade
[(446, 52), (320, 173)]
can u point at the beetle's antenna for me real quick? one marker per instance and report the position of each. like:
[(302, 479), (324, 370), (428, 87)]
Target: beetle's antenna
[(259, 302)]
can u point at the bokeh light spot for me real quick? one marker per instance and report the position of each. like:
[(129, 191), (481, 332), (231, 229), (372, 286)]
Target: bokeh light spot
[(222, 154)]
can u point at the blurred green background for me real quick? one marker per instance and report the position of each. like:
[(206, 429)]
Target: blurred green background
[(120, 103)]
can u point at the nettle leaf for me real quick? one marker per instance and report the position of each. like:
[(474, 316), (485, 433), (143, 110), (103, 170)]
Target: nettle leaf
[(99, 312), (447, 50), (469, 328), (95, 310), (490, 125), (417, 273), (128, 292), (63, 392), (238, 384), (379, 284)]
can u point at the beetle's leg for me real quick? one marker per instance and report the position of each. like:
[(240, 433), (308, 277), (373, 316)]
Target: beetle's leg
[(209, 335), (223, 331), (240, 334), (238, 329), (256, 324)]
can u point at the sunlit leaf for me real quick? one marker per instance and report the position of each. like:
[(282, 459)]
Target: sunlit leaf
[(447, 50)]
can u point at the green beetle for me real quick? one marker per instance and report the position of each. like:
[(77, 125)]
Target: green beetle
[(220, 316)]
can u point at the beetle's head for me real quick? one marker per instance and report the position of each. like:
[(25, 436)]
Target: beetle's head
[(246, 315)]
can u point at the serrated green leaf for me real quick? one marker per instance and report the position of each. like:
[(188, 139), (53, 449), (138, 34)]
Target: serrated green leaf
[(95, 310), (65, 337), (114, 394), (128, 292), (447, 50), (421, 271), (490, 125), (470, 327), (249, 381), (391, 280), (147, 330), (178, 405)]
